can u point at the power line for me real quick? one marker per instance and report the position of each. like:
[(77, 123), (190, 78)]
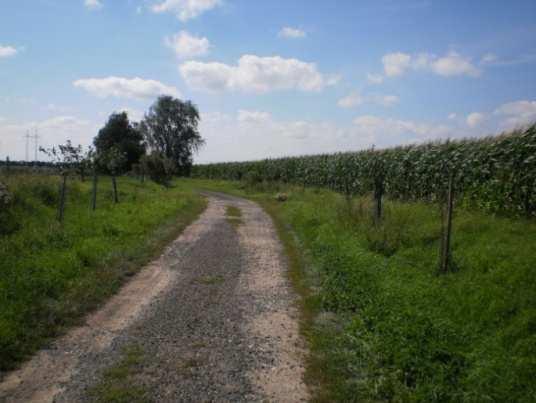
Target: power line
[(27, 136), (36, 143)]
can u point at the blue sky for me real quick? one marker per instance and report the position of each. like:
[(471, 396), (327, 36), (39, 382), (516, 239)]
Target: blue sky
[(270, 78)]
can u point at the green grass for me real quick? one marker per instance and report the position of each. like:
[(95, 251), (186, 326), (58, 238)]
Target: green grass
[(119, 383), (234, 215), (382, 324), (51, 275)]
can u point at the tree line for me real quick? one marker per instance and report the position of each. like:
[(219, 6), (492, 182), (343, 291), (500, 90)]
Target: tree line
[(160, 146)]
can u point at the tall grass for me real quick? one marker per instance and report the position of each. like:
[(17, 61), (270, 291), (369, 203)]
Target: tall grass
[(50, 274), (387, 327)]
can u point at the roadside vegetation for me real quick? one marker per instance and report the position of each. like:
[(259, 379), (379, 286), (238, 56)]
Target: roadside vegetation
[(52, 273), (382, 322), (67, 243)]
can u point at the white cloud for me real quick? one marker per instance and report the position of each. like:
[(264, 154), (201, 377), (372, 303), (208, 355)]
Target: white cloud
[(518, 113), (255, 74), (93, 4), (374, 78), (396, 64), (125, 87), (351, 101), (253, 116), (406, 131), (355, 99), (256, 134), (292, 33), (488, 58), (7, 51), (475, 119), (452, 116), (133, 114), (385, 100), (185, 9), (252, 134), (186, 45), (452, 64)]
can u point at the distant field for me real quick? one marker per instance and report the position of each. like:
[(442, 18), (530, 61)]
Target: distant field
[(51, 275), (382, 323)]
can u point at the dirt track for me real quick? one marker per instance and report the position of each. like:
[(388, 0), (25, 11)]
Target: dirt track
[(214, 318)]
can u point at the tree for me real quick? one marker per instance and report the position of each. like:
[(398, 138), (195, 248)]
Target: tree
[(119, 133), (158, 167), (112, 160), (66, 159), (171, 129)]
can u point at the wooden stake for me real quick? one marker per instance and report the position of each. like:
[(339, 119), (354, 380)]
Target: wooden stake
[(378, 195), (447, 229), (63, 192), (114, 183), (94, 193)]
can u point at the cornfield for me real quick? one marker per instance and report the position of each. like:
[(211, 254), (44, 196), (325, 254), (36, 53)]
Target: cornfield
[(495, 174)]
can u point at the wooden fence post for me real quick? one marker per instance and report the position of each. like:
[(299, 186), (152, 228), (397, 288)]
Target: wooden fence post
[(114, 185), (445, 252), (94, 193), (378, 195), (63, 192)]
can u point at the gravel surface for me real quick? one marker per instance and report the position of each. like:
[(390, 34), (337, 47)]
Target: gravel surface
[(214, 318)]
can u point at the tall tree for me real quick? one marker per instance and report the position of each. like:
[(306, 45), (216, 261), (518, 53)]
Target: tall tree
[(120, 134), (171, 129)]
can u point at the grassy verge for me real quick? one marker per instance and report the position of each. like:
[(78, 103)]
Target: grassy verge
[(50, 275), (119, 383), (382, 324), (233, 215)]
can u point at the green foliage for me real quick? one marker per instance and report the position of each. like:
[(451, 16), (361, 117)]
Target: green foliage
[(171, 129), (121, 382), (497, 174), (398, 331), (50, 274), (159, 168), (121, 134)]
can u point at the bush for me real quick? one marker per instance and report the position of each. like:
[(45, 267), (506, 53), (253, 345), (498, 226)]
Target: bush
[(159, 168)]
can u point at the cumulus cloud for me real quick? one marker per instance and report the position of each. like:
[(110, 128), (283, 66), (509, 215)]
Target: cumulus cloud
[(7, 51), (125, 87), (186, 45), (385, 100), (396, 64), (452, 64), (355, 99), (374, 78), (410, 131), (255, 74), (518, 113), (185, 9), (253, 134), (93, 4), (475, 119), (351, 101), (291, 33)]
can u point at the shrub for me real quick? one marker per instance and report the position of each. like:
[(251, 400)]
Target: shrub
[(159, 168)]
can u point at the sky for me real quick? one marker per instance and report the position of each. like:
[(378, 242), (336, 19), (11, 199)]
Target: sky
[(270, 77)]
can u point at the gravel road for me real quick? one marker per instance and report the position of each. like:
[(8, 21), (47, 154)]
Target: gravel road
[(214, 317)]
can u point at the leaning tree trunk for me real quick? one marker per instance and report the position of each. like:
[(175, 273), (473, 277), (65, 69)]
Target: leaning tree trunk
[(114, 185)]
